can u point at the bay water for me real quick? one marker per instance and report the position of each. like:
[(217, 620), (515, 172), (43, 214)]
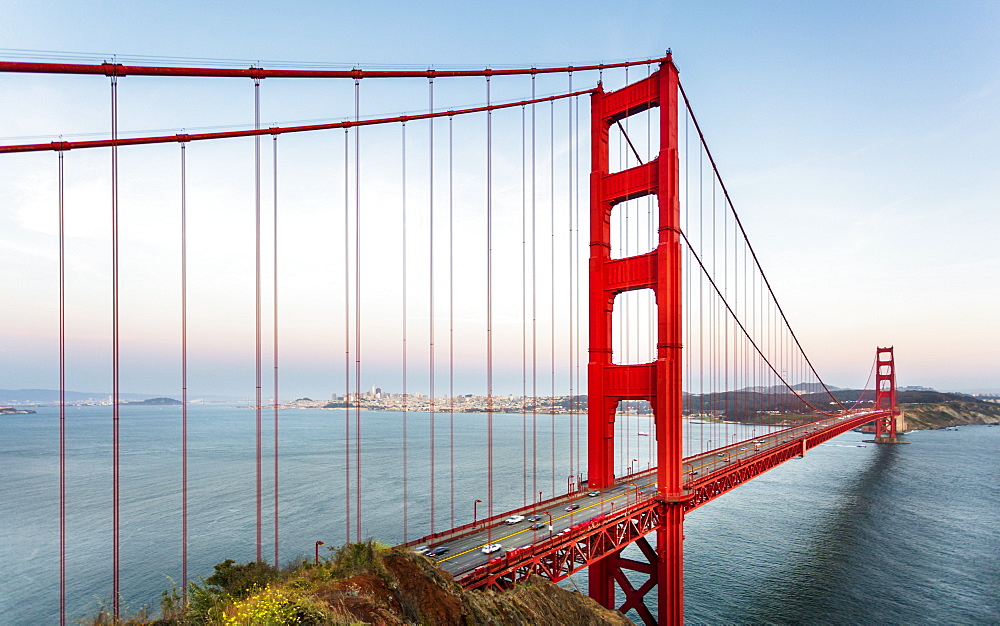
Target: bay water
[(849, 535)]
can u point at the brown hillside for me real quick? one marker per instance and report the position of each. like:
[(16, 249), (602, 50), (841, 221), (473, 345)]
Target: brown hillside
[(951, 413), (364, 583)]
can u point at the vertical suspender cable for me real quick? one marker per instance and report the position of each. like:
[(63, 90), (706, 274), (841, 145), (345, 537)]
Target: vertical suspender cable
[(357, 309), (451, 313), (701, 297), (579, 467), (552, 289), (569, 213), (689, 303), (713, 320), (257, 345), (754, 335), (405, 397), (736, 345), (62, 395), (524, 314), (651, 243), (184, 390), (489, 286), (626, 298), (430, 165), (116, 475), (277, 563), (748, 355), (534, 310), (725, 319), (689, 431), (347, 337)]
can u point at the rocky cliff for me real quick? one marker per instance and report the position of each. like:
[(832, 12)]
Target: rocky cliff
[(928, 416), (365, 583)]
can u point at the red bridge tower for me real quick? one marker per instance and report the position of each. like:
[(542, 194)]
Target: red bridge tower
[(885, 396), (658, 382)]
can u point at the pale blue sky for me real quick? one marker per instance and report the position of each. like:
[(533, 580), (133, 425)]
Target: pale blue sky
[(859, 140)]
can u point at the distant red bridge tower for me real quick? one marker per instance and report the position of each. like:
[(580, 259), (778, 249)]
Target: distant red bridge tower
[(885, 396)]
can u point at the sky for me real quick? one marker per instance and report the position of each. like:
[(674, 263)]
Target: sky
[(858, 141)]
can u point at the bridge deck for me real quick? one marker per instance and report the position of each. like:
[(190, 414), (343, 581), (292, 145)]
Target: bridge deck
[(587, 527)]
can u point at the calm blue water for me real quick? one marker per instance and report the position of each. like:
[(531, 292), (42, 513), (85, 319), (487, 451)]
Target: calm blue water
[(901, 535)]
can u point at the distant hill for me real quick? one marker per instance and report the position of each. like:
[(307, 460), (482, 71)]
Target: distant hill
[(48, 396), (33, 396), (158, 402)]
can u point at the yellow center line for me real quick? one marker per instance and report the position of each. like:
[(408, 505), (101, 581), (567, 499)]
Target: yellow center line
[(524, 530), (709, 460)]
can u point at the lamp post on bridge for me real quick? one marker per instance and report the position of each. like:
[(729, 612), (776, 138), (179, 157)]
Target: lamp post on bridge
[(550, 523), (474, 505), (636, 494)]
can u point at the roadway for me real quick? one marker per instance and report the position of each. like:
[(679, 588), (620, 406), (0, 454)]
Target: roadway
[(465, 551)]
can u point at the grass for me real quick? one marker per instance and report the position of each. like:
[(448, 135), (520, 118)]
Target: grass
[(256, 593)]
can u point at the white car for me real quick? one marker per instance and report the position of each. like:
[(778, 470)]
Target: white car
[(493, 547), (514, 519)]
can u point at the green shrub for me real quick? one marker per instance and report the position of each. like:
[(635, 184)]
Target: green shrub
[(357, 558), (238, 580)]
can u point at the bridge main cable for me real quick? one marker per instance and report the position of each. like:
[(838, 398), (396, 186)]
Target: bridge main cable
[(753, 254), (117, 69), (274, 130)]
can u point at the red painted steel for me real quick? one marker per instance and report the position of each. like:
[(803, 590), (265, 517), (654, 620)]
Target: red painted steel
[(597, 543), (658, 382), (587, 544), (885, 394), (273, 130), (710, 486), (258, 73)]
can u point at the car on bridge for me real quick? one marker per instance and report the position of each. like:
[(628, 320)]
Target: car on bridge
[(572, 507), (440, 550), (514, 519), (534, 518), (493, 547), (594, 494)]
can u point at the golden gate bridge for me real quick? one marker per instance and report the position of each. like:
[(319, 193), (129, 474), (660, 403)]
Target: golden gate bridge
[(478, 237)]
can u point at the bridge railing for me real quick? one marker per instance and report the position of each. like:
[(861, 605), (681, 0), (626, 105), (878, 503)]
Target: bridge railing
[(482, 524), (570, 550)]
